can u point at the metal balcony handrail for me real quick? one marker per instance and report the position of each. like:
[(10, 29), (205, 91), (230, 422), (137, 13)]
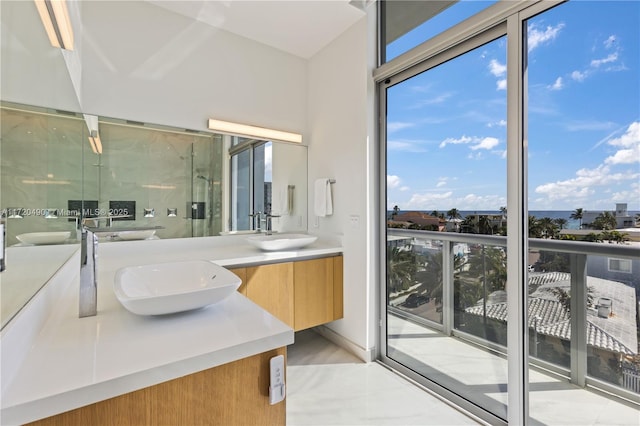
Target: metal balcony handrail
[(564, 246)]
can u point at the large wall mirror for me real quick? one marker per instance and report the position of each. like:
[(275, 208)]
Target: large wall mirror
[(177, 180), (180, 182)]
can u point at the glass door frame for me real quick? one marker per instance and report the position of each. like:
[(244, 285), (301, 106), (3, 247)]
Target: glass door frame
[(503, 18)]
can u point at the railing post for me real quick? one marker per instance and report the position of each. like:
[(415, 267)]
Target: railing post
[(578, 268), (447, 288)]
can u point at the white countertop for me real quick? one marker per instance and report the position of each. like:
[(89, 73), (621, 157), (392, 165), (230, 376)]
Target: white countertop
[(73, 361), (28, 269)]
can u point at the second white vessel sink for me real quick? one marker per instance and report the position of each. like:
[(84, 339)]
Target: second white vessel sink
[(166, 288), (278, 242), (38, 238)]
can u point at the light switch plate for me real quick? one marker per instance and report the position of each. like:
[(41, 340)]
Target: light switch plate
[(277, 386)]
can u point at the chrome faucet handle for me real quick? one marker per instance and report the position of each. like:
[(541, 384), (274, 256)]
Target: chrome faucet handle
[(88, 300)]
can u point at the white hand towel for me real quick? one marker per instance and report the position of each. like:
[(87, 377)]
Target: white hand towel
[(323, 204)]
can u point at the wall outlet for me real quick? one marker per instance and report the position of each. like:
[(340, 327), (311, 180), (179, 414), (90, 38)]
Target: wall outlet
[(354, 221)]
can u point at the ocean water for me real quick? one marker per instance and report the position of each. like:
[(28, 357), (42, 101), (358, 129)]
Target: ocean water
[(553, 214)]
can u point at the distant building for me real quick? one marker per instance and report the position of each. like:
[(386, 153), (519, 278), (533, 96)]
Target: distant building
[(420, 219), (623, 218)]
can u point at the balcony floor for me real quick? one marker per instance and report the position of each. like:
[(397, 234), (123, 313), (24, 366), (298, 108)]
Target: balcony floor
[(457, 364)]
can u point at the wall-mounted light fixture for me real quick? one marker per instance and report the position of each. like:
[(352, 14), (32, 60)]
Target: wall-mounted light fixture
[(96, 143), (253, 131), (56, 21)]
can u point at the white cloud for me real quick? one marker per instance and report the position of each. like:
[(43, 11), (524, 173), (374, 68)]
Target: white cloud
[(486, 143), (404, 188), (537, 37), (431, 101), (452, 141), (610, 42), (557, 85), (629, 195), (496, 68), (475, 142), (441, 183), (625, 156), (579, 75), (595, 63), (425, 201), (630, 142), (395, 126), (406, 145), (584, 183), (501, 123), (393, 181), (630, 138), (446, 200)]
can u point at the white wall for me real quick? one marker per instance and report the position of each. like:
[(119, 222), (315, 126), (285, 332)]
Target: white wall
[(341, 133), (32, 72), (141, 62)]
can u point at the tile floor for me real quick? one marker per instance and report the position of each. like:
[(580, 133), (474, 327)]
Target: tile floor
[(326, 385)]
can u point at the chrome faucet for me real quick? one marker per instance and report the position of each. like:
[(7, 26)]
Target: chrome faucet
[(88, 277), (256, 220), (269, 224)]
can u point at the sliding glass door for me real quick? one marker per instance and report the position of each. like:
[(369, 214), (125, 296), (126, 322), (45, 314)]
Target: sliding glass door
[(497, 136), (446, 171)]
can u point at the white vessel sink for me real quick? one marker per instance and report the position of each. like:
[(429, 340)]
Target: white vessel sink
[(136, 235), (39, 238), (278, 242), (166, 288)]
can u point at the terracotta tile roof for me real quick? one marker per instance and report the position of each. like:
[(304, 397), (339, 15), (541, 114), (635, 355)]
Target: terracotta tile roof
[(616, 333)]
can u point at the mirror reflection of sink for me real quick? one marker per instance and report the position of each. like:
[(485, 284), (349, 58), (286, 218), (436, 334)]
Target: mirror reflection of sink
[(136, 235), (166, 288), (279, 242), (40, 238)]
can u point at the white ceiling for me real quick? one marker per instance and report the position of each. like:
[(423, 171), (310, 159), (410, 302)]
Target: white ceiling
[(299, 27)]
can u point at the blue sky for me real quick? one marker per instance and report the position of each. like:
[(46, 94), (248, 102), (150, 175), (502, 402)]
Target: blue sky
[(446, 128)]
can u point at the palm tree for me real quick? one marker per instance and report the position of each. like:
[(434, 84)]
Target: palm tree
[(605, 221), (401, 269), (577, 215), (561, 222), (484, 225), (437, 214), (548, 227), (535, 230), (454, 214), (396, 210), (503, 210)]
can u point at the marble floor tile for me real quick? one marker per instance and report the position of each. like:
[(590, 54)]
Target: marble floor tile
[(326, 385)]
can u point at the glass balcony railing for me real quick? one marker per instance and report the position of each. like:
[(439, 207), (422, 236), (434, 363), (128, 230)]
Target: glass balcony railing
[(582, 303)]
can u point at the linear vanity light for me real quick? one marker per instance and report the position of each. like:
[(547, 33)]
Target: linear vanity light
[(253, 131), (56, 21), (96, 143)]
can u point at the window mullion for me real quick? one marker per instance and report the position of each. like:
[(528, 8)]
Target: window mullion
[(517, 222)]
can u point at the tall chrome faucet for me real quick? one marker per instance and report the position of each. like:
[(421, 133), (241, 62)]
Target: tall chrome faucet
[(268, 223), (88, 277), (256, 220)]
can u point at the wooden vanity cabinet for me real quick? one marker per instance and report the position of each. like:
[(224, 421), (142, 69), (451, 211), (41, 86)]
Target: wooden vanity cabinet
[(236, 393), (317, 292), (302, 294), (269, 286)]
